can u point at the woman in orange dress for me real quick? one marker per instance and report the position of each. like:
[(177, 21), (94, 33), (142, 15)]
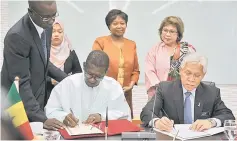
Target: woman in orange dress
[(122, 53)]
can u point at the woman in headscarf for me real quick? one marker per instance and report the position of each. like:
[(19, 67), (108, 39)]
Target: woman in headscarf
[(61, 54)]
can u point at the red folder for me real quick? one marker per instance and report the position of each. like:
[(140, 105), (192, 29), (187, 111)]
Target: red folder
[(115, 127)]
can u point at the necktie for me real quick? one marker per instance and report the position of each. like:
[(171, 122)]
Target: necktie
[(187, 109), (43, 41)]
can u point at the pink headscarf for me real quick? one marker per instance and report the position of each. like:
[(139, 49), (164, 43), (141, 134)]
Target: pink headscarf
[(59, 54)]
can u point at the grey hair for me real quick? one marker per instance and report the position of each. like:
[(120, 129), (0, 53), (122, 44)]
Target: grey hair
[(195, 57)]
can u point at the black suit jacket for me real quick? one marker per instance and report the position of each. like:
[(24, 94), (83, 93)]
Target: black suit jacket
[(24, 57), (169, 95)]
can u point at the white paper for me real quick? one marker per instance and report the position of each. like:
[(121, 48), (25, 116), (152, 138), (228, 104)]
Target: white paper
[(51, 135), (216, 130), (185, 133), (37, 128), (83, 129)]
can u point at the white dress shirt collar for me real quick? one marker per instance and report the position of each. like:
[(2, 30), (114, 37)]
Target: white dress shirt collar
[(193, 91), (38, 28)]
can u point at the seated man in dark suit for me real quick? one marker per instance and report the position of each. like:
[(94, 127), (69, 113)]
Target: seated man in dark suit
[(187, 101)]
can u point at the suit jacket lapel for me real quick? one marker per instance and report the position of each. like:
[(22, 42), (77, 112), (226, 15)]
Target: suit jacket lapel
[(36, 39), (198, 103), (178, 100)]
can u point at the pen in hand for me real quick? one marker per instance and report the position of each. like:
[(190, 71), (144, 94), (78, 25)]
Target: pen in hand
[(73, 115), (167, 116)]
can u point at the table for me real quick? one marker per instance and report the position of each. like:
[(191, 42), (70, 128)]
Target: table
[(218, 137), (160, 136)]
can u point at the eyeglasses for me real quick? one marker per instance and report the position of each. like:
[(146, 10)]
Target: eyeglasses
[(45, 19), (97, 78), (169, 31), (89, 76)]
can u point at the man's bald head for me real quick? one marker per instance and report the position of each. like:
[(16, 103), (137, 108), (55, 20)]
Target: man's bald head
[(37, 5), (99, 59), (95, 67)]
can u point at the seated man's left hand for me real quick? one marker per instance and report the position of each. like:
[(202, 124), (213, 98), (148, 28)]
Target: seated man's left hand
[(93, 118), (200, 125)]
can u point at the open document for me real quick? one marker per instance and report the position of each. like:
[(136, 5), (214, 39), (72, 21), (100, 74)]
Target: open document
[(83, 129), (185, 133)]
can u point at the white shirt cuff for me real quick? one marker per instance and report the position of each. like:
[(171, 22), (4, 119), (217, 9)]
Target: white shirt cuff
[(218, 122), (152, 122)]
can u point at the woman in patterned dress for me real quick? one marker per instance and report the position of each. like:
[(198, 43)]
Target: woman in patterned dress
[(163, 60)]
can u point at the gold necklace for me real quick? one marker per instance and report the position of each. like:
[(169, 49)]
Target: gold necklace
[(174, 50)]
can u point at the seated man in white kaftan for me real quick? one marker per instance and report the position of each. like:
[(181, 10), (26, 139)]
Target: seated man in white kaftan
[(83, 97)]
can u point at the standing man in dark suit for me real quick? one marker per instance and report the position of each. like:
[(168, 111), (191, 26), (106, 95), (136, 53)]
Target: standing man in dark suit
[(26, 55), (187, 101)]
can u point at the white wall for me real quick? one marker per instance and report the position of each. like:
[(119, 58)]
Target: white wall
[(211, 27), (4, 26)]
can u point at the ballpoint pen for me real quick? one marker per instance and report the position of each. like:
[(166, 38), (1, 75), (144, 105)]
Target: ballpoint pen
[(176, 135), (167, 116), (73, 115)]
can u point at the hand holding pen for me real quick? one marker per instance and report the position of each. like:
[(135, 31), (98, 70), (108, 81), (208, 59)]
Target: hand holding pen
[(168, 117), (70, 120), (165, 123)]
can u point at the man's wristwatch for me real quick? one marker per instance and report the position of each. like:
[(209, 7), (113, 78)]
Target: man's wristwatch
[(213, 122)]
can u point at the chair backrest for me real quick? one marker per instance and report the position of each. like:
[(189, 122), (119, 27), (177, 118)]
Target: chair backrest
[(209, 83)]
